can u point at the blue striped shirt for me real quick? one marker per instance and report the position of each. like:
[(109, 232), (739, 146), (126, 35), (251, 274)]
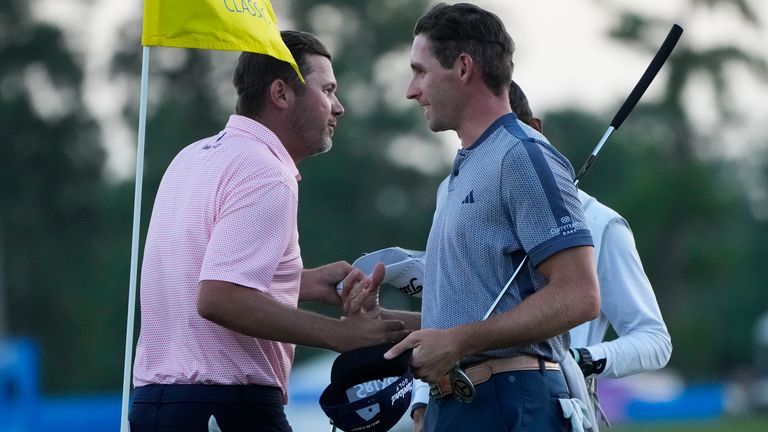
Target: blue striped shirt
[(509, 195)]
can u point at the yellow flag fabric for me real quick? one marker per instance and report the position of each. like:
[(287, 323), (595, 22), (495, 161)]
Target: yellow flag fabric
[(230, 25)]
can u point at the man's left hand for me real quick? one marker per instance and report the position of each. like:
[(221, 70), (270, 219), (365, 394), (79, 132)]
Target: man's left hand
[(319, 284)]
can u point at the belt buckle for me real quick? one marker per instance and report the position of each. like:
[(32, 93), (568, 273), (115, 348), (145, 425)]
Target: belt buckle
[(463, 389), (434, 391)]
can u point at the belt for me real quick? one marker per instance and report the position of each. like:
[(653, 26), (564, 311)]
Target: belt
[(482, 372), (213, 393)]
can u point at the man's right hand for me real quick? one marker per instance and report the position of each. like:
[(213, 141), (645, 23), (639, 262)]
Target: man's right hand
[(368, 328)]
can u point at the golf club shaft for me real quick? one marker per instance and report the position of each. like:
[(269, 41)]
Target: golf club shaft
[(506, 287)]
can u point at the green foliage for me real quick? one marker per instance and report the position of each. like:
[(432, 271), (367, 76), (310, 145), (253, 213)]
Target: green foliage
[(49, 190), (692, 222)]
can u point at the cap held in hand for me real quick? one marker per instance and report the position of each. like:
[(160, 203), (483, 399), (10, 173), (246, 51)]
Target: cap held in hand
[(368, 393)]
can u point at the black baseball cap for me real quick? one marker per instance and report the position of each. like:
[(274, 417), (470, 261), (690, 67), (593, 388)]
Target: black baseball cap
[(368, 393)]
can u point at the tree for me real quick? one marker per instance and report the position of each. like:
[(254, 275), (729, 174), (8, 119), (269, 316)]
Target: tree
[(49, 193), (691, 219)]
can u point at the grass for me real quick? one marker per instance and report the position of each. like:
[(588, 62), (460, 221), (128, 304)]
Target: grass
[(749, 424)]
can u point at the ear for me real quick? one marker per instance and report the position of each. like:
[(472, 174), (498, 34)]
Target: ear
[(536, 124), (280, 94), (465, 66)]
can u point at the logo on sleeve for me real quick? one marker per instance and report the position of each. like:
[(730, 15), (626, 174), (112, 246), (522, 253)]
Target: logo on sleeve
[(566, 227)]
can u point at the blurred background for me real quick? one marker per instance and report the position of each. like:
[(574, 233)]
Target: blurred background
[(688, 169)]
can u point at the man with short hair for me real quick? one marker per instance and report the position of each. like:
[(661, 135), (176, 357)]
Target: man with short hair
[(509, 195), (222, 271), (627, 300)]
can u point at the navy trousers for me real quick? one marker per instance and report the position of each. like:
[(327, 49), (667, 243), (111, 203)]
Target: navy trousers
[(510, 401), (178, 408)]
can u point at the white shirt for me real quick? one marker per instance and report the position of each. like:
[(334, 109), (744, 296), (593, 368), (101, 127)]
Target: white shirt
[(627, 301)]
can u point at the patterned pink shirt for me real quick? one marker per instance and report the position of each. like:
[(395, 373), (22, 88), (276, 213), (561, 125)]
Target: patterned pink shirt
[(225, 210)]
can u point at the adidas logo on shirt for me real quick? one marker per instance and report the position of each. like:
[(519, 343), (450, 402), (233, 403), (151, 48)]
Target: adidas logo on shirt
[(470, 199)]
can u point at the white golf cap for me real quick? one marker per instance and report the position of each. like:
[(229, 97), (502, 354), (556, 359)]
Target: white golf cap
[(403, 268)]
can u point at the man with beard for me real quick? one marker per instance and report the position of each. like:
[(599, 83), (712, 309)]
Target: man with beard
[(222, 271)]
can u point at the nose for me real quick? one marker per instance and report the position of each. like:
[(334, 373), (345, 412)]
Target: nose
[(412, 92), (337, 109)]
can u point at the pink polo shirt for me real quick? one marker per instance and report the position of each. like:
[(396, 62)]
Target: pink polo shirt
[(225, 210)]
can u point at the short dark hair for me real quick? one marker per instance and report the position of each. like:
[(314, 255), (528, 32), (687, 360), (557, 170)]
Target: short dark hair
[(256, 72), (519, 103), (466, 28)]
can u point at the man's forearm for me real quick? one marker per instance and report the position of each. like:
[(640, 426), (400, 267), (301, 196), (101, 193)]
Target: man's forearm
[(256, 314), (548, 313), (253, 313)]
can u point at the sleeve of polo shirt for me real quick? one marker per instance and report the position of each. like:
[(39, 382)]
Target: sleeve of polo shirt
[(256, 222), (542, 200)]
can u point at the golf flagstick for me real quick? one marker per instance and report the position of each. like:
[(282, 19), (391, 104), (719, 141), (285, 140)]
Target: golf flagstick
[(124, 426), (645, 80)]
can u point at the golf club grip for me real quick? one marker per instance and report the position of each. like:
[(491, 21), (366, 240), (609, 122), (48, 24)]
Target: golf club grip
[(648, 76)]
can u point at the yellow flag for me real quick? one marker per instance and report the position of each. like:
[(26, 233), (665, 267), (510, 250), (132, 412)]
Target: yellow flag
[(230, 25)]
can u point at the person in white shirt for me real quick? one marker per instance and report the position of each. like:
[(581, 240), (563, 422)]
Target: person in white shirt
[(628, 302)]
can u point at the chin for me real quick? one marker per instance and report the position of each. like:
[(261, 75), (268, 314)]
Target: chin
[(437, 127), (324, 148)]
